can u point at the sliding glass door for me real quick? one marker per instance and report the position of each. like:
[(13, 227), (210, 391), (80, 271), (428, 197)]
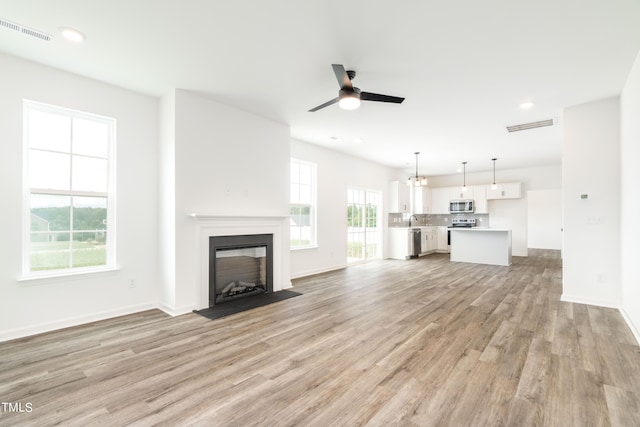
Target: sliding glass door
[(364, 236)]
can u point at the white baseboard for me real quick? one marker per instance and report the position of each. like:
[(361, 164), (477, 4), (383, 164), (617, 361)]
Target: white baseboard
[(74, 321), (590, 301), (634, 330), (605, 303), (173, 312), (318, 271)]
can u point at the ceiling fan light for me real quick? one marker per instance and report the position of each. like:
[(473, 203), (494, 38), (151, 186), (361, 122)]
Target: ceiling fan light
[(349, 102)]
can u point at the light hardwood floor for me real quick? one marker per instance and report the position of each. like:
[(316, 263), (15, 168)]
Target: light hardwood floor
[(414, 343)]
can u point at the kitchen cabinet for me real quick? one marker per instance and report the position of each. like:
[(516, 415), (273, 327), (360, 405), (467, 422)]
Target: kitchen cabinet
[(399, 197), (399, 244), (421, 200), (440, 200), (457, 193), (511, 190), (429, 239), (400, 241), (481, 245), (442, 239), (480, 199)]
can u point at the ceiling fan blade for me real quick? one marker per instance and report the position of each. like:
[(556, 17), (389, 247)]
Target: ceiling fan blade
[(326, 104), (341, 75), (368, 96)]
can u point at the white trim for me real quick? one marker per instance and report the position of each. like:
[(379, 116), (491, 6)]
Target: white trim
[(109, 194), (319, 271), (634, 330), (173, 312), (589, 301), (51, 276), (218, 225), (313, 205), (73, 321), (302, 248)]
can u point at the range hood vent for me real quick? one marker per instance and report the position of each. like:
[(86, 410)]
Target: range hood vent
[(24, 30), (532, 125)]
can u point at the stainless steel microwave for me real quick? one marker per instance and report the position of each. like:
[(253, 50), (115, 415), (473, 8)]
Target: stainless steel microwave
[(461, 206)]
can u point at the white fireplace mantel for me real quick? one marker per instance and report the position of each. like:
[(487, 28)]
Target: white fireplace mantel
[(225, 225)]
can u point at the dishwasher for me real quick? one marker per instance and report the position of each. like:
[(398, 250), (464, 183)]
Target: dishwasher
[(415, 239)]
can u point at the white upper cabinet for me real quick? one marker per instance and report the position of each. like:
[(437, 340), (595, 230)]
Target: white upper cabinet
[(440, 200), (457, 193), (399, 197), (480, 199), (512, 190), (422, 200)]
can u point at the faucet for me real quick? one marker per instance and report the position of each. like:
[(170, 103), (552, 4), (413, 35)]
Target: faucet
[(412, 216)]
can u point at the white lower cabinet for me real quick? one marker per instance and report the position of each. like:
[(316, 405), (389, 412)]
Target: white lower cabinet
[(429, 239), (399, 244), (442, 239)]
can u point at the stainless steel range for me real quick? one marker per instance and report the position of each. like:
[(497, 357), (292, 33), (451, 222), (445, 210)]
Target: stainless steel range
[(459, 223), (463, 222)]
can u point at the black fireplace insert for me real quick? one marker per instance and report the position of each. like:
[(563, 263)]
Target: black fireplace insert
[(239, 267)]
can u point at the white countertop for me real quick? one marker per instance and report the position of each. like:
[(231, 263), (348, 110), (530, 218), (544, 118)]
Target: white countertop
[(477, 229)]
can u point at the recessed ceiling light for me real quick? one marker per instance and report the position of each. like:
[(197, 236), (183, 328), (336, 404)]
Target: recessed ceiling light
[(357, 140), (72, 34), (526, 105)]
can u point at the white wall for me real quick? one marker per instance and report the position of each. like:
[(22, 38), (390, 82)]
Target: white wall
[(533, 178), (514, 213), (591, 165), (28, 307), (544, 225), (511, 214), (167, 202), (335, 173), (630, 204), (226, 162)]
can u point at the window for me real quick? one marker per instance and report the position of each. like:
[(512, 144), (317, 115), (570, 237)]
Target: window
[(69, 194), (302, 204), (363, 224)]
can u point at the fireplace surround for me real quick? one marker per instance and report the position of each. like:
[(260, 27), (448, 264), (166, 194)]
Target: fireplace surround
[(209, 225)]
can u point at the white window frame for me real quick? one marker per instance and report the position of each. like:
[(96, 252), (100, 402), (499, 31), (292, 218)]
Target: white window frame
[(312, 206), (366, 230), (110, 195)]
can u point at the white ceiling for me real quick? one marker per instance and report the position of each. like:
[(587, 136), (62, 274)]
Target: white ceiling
[(463, 66)]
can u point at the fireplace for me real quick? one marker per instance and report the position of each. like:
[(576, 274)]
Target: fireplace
[(212, 225), (240, 266)]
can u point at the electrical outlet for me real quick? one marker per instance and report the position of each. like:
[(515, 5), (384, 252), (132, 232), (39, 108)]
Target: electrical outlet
[(132, 282)]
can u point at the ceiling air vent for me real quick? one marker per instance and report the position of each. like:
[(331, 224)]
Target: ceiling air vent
[(532, 125), (24, 30)]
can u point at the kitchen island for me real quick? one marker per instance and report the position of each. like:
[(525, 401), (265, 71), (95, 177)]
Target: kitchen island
[(481, 245)]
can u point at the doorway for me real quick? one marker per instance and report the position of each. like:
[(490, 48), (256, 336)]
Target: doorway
[(364, 236)]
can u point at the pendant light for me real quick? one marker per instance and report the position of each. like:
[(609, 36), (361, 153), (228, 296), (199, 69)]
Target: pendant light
[(494, 186), (417, 181), (464, 176)]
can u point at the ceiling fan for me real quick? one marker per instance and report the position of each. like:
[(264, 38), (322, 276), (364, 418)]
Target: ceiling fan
[(349, 96)]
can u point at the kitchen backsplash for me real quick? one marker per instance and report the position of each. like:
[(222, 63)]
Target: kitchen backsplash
[(402, 219)]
